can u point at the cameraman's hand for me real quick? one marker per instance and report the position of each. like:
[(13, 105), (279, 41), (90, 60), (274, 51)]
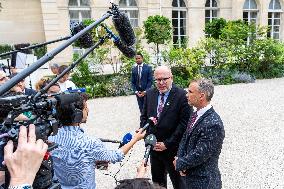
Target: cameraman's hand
[(24, 163)]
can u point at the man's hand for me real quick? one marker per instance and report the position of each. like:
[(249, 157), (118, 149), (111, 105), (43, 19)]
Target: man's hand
[(24, 163), (182, 173), (143, 93), (160, 146)]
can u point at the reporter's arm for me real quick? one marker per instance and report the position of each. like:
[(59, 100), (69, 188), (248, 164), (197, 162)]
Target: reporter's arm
[(138, 136)]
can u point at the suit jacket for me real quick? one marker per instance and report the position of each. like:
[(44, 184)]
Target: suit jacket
[(173, 119), (199, 152), (146, 78)]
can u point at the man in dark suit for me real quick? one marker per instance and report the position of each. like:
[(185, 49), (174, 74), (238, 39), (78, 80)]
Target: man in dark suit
[(22, 86), (200, 147), (168, 103), (141, 79)]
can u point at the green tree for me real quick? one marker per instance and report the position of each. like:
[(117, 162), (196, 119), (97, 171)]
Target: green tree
[(214, 28), (158, 30)]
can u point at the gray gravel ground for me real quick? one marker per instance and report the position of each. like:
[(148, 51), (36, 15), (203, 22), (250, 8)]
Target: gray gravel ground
[(253, 151)]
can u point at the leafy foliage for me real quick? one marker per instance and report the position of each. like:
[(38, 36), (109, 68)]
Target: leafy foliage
[(214, 28)]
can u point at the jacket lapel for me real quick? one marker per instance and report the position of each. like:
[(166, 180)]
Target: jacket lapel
[(168, 102), (208, 112)]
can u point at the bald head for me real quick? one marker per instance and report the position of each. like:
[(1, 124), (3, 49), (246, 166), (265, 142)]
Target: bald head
[(163, 78), (163, 69)]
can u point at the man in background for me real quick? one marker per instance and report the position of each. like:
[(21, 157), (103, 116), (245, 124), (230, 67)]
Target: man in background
[(141, 79)]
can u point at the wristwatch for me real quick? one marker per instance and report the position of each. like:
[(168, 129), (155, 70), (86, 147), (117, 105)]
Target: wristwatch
[(24, 186)]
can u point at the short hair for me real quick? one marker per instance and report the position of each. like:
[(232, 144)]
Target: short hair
[(137, 183), (140, 54), (54, 65), (205, 86), (62, 68), (65, 112)]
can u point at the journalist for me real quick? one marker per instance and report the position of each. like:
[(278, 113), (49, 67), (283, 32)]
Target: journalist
[(76, 156)]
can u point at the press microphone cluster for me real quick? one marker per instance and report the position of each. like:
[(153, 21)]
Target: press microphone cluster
[(151, 122)]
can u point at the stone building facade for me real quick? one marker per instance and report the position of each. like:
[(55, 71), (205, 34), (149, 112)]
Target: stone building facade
[(37, 21)]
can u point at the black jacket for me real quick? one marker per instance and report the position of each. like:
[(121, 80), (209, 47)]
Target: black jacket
[(173, 119), (199, 152)]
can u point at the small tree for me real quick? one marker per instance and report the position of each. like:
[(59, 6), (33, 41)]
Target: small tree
[(158, 30), (214, 28)]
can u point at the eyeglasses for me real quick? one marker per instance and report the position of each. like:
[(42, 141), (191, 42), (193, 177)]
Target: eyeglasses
[(162, 79)]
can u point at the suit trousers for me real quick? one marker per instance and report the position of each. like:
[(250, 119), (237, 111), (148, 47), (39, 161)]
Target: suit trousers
[(140, 101), (161, 164)]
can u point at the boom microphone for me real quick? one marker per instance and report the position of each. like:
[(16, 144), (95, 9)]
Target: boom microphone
[(150, 142), (123, 27), (126, 51), (86, 41)]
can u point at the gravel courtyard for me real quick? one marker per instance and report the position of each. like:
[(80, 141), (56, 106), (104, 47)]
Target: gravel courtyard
[(253, 151)]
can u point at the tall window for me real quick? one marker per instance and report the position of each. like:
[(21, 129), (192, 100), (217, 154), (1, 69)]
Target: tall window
[(211, 10), (79, 10), (274, 19), (130, 7), (179, 22), (250, 11)]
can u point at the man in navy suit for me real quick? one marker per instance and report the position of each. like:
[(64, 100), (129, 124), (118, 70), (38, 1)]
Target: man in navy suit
[(200, 147), (141, 79), (168, 104)]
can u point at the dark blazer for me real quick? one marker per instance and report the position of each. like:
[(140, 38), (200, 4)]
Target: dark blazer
[(199, 152), (146, 78), (173, 119), (29, 92)]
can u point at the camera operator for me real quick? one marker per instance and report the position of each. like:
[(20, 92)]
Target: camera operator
[(76, 155), (24, 163)]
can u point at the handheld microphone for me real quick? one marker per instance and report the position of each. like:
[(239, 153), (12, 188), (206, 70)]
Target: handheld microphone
[(150, 142), (126, 138), (151, 122), (123, 27), (86, 41)]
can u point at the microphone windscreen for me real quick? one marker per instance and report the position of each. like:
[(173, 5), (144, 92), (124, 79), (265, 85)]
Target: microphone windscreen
[(123, 27), (85, 41), (127, 51), (66, 99)]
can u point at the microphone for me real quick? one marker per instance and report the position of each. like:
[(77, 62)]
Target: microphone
[(86, 41), (123, 27), (78, 90), (151, 122), (150, 142), (126, 138), (126, 51)]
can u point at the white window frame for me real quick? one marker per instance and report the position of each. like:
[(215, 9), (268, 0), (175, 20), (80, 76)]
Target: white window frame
[(211, 9), (180, 9), (272, 26), (250, 11), (80, 8), (131, 8)]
